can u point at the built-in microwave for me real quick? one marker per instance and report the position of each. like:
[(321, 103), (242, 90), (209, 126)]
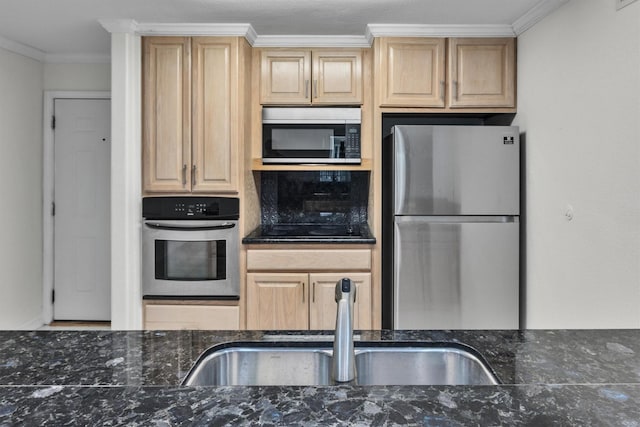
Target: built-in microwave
[(311, 135)]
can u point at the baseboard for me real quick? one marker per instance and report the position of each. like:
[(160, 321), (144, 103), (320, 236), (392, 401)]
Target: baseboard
[(32, 324)]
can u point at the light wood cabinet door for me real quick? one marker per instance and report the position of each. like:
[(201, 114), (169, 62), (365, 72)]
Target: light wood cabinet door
[(214, 161), (412, 72), (323, 307), (277, 301), (481, 72), (337, 77), (304, 77), (166, 132), (285, 76)]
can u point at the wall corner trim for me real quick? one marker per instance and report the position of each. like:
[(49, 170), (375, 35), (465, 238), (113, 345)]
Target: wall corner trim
[(536, 14), (22, 49)]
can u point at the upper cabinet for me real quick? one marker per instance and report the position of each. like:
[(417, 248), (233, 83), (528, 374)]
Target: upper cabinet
[(191, 109), (412, 72), (480, 72), (305, 77)]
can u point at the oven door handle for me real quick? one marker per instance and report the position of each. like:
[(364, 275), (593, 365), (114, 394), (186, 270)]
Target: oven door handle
[(161, 226)]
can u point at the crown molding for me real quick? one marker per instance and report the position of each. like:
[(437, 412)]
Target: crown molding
[(119, 25), (81, 58), (22, 49), (312, 41), (536, 14), (419, 30), (189, 29)]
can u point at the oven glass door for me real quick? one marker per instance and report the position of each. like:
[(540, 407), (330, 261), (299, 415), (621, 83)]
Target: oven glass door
[(189, 261), (190, 258)]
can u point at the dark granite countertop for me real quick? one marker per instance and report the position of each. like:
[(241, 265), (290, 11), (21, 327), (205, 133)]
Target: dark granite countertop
[(555, 377), (310, 233)]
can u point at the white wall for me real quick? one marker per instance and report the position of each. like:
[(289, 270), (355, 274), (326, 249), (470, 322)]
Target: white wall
[(21, 81), (87, 77), (579, 107)]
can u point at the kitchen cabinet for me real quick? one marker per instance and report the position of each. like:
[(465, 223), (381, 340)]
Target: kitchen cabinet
[(480, 72), (412, 71), (191, 112), (299, 293), (303, 301), (184, 314), (305, 77)]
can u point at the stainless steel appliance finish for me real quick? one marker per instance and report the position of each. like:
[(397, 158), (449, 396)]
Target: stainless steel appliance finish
[(377, 363), (195, 257), (455, 227), (311, 135)]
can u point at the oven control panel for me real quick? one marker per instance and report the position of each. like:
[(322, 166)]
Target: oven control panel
[(190, 208)]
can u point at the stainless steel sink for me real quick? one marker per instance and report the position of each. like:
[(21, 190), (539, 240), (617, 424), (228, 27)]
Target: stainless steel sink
[(255, 364), (304, 363), (428, 365)]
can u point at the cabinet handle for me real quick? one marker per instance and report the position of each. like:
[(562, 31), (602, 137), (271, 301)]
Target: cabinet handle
[(184, 175), (313, 294), (455, 90), (306, 88), (303, 292), (315, 88), (193, 175), (442, 89)]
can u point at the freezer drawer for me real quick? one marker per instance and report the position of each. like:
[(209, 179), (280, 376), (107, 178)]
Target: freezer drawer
[(456, 273), (456, 170)]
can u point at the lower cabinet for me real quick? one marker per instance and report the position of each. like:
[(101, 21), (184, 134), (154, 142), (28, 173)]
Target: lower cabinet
[(281, 299), (165, 315), (303, 301)]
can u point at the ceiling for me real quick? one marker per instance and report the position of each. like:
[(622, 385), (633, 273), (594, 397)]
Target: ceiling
[(72, 27)]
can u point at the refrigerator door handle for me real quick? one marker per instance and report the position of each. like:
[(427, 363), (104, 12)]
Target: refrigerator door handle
[(460, 218)]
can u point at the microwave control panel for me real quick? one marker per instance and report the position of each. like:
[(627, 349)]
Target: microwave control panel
[(352, 142)]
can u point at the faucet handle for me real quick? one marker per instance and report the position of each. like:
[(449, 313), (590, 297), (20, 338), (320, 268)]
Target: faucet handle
[(345, 288)]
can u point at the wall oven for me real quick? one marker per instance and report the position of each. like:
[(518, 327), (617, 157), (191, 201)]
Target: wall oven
[(190, 247), (311, 135)]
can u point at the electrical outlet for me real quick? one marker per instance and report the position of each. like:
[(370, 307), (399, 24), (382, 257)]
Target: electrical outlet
[(622, 3)]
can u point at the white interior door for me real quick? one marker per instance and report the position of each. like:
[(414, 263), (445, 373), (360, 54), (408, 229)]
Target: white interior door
[(82, 282)]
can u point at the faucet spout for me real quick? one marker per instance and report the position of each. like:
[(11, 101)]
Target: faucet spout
[(343, 366)]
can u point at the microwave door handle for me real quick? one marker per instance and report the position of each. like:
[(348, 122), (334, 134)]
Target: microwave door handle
[(161, 226)]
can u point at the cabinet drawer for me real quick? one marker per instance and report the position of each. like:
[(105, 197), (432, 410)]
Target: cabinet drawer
[(308, 260), (213, 317)]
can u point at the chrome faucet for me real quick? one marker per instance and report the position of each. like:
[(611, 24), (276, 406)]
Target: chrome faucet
[(343, 364)]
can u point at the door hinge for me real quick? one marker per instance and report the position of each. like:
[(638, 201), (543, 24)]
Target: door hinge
[(53, 296), (53, 122), (53, 208)]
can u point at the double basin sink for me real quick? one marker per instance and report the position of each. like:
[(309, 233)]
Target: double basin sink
[(306, 364)]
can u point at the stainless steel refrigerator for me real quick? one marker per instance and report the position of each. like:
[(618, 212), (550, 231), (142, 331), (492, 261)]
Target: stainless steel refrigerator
[(456, 229)]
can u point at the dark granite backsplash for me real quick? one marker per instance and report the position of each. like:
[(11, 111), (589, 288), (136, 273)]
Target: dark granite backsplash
[(314, 197)]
